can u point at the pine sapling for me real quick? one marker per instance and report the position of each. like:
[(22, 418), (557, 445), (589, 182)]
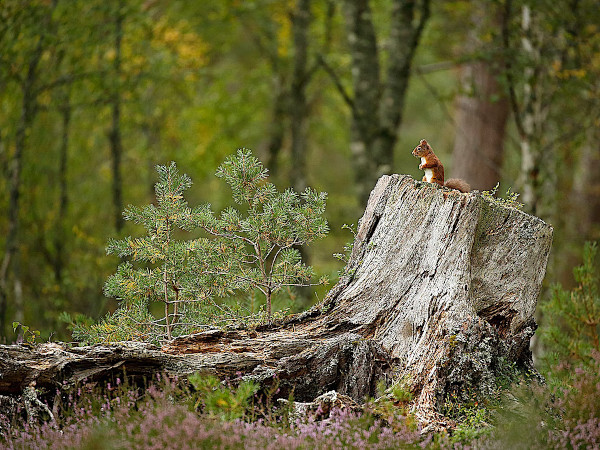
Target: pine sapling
[(253, 248), (265, 235), (175, 272)]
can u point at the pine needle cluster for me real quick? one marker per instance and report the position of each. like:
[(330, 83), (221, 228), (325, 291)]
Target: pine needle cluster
[(573, 317), (252, 248), (263, 242)]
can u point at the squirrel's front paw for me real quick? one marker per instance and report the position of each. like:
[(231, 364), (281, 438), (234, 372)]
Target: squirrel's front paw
[(420, 166)]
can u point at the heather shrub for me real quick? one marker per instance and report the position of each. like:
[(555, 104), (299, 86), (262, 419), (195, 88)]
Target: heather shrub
[(579, 405), (523, 419), (212, 414), (539, 416), (155, 418), (79, 418)]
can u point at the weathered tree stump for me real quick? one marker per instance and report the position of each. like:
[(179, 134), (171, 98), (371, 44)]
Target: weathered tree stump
[(440, 289)]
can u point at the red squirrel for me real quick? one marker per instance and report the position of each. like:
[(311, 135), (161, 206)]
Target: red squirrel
[(434, 169)]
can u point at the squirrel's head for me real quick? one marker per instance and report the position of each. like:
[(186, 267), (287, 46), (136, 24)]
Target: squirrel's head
[(422, 149)]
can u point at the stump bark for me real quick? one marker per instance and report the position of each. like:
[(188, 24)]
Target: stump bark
[(440, 290)]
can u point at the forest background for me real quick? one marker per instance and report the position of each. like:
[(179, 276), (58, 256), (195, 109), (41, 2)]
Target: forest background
[(330, 94)]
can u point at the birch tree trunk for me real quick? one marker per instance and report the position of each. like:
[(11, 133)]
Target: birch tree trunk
[(530, 112), (441, 287)]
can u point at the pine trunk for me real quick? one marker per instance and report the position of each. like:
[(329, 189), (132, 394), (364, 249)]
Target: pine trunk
[(481, 108)]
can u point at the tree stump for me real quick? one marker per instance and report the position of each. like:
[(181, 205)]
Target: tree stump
[(440, 290)]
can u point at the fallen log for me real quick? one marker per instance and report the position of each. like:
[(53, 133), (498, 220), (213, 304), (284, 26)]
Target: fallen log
[(440, 290)]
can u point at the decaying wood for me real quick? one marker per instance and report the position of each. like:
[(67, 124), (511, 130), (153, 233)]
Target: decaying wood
[(440, 289), (321, 406)]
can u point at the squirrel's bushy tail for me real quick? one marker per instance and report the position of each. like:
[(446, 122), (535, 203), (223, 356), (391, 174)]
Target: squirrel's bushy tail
[(458, 184)]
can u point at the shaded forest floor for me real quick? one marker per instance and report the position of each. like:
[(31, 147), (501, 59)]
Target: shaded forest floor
[(203, 412)]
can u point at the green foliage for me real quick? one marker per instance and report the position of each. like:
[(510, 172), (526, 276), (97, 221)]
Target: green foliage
[(28, 334), (475, 414), (399, 390), (175, 271), (401, 393), (129, 322), (393, 404), (473, 419), (572, 330), (190, 89), (524, 416), (510, 200), (262, 239), (345, 257), (217, 400), (244, 251), (474, 425)]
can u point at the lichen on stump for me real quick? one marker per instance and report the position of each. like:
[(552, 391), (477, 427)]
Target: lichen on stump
[(446, 282)]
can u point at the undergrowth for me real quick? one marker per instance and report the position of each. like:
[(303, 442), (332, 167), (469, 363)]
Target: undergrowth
[(205, 413)]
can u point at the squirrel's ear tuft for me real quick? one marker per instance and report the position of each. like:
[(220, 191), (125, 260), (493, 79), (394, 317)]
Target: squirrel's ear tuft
[(423, 142)]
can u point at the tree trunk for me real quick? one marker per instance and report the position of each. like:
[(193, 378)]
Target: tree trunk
[(377, 104), (116, 144), (299, 109), (63, 201), (366, 86), (276, 125), (586, 191), (298, 102), (481, 122), (482, 111), (582, 222), (151, 131), (408, 20), (531, 119), (531, 111), (10, 260), (440, 287)]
